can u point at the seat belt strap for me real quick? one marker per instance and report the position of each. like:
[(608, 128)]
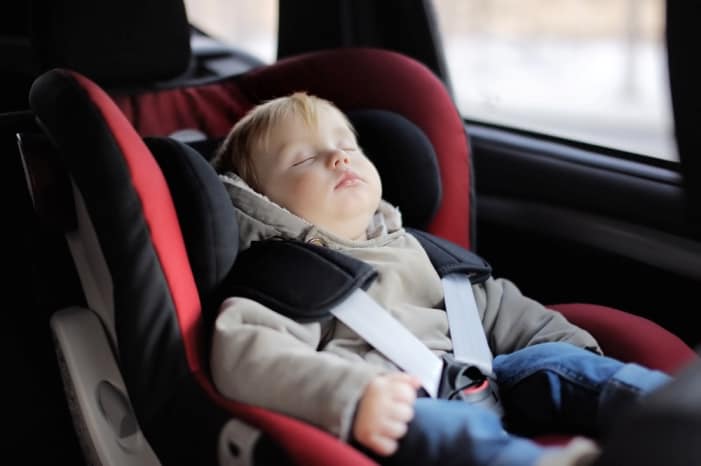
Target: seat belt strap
[(388, 336), (383, 332), (466, 331), (459, 269)]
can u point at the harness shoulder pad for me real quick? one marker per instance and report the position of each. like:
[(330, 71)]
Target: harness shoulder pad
[(299, 280), (447, 257)]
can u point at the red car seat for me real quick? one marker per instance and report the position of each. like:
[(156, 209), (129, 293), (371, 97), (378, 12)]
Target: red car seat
[(401, 86), (154, 237)]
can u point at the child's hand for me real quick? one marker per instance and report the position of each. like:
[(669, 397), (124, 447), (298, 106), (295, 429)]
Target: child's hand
[(384, 412)]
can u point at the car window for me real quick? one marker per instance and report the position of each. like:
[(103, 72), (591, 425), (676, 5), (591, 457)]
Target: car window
[(588, 70), (249, 25)]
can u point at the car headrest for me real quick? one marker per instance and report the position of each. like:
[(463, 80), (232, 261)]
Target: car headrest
[(113, 43)]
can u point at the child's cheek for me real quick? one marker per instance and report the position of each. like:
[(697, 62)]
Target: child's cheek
[(307, 184)]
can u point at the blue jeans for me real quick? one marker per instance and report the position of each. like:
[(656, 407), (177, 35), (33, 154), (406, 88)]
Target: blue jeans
[(550, 387)]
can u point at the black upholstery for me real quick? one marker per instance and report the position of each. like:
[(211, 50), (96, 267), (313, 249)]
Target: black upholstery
[(205, 214), (406, 161)]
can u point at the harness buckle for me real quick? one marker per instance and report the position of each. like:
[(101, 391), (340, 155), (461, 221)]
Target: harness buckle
[(460, 381)]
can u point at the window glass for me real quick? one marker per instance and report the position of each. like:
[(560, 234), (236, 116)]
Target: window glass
[(590, 70), (250, 25)]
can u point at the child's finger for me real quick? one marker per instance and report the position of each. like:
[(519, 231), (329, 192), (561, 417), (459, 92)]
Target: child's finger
[(383, 445), (393, 429), (402, 412), (402, 394)]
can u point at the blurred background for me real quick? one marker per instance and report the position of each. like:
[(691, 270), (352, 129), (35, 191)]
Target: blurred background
[(588, 70)]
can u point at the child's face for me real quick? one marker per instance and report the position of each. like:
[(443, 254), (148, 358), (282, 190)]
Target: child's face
[(320, 174)]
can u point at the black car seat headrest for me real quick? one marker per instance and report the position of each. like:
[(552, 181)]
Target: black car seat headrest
[(114, 43), (406, 161)]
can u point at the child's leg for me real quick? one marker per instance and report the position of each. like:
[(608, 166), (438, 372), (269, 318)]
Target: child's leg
[(559, 387), (448, 433)]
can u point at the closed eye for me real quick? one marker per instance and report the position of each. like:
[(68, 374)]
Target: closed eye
[(304, 160)]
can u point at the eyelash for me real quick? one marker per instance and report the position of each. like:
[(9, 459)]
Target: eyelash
[(306, 159)]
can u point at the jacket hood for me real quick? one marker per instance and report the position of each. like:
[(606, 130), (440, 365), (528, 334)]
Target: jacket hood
[(259, 218)]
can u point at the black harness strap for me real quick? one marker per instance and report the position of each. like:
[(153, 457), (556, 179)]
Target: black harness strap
[(299, 280), (304, 281), (448, 257)]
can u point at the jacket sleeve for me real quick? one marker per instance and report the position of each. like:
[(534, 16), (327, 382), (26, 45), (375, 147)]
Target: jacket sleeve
[(513, 321), (262, 358)]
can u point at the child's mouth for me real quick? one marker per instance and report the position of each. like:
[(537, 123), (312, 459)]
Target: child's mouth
[(348, 178)]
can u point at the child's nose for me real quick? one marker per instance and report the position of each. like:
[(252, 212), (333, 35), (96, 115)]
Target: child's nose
[(338, 159)]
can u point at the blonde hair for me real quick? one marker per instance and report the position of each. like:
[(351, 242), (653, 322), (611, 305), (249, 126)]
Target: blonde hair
[(235, 153)]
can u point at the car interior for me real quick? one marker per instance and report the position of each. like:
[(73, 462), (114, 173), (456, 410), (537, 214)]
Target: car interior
[(126, 235)]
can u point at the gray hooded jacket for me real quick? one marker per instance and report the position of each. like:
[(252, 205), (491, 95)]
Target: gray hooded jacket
[(317, 372)]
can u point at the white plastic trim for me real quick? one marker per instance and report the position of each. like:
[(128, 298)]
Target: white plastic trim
[(91, 266), (97, 396), (237, 442)]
